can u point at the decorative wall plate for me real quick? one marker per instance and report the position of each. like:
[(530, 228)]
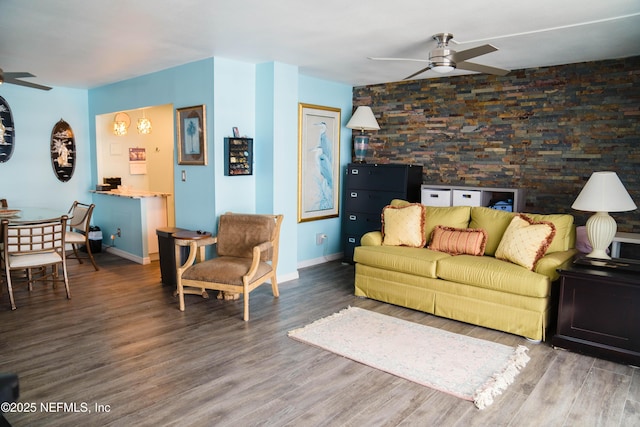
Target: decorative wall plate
[(63, 151), (7, 131)]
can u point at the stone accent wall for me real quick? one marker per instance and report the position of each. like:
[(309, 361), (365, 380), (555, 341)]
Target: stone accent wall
[(542, 129)]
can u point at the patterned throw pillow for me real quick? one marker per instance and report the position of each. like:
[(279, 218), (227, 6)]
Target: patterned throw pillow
[(403, 225), (525, 241), (458, 241)]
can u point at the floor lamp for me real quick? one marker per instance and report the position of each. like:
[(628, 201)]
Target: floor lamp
[(603, 193)]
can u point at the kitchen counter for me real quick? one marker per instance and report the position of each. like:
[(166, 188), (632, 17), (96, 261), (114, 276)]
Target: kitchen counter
[(132, 194)]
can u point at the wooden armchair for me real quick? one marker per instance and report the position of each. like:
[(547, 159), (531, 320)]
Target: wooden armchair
[(247, 249)]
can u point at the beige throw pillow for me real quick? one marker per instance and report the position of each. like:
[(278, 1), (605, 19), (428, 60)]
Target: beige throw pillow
[(525, 241), (403, 225)]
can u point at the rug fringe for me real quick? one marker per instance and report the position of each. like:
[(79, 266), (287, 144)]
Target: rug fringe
[(293, 332), (483, 397)]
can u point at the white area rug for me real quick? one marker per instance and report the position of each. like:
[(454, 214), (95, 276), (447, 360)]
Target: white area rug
[(466, 367)]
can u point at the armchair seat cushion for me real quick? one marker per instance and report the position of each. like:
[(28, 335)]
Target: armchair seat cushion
[(227, 270)]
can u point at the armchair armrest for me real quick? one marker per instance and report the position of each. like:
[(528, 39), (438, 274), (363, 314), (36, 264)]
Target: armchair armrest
[(257, 255), (372, 238), (196, 247), (550, 263)]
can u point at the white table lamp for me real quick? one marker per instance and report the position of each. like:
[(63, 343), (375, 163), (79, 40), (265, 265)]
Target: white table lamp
[(362, 119), (603, 193)]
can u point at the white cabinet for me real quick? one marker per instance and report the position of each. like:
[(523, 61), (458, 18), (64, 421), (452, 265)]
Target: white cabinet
[(507, 199)]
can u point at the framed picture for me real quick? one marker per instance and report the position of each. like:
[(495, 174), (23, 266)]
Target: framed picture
[(192, 135), (318, 162)]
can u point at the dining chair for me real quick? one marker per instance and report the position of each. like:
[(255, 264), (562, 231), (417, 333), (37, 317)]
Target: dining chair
[(33, 247), (247, 256), (78, 232), (3, 203)]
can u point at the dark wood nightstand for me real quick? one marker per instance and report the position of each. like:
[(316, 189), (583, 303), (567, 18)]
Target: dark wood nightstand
[(599, 310)]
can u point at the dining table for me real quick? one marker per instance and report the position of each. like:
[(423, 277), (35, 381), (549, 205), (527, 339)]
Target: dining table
[(22, 215)]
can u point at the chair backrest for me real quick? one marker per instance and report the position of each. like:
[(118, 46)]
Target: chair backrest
[(81, 216), (3, 203), (36, 236), (239, 233)]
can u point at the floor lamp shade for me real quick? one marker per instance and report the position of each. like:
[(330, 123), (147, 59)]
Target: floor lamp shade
[(603, 193), (362, 119)]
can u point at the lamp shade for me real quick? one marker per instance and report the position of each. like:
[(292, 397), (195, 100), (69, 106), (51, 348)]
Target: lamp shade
[(363, 119), (604, 192)]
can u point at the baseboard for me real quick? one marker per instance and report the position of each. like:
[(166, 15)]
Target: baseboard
[(321, 260), (127, 255)]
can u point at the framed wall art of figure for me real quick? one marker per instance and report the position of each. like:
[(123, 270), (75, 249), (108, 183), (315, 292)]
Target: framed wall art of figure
[(318, 162)]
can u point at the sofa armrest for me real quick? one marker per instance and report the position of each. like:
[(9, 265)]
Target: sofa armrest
[(372, 238), (550, 263)]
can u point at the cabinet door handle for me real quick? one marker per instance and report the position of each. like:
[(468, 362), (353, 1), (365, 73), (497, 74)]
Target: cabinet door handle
[(434, 195), (354, 195), (351, 239), (354, 171), (466, 196), (352, 217)]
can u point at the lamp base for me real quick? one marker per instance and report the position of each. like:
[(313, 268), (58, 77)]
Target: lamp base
[(601, 229), (360, 147)]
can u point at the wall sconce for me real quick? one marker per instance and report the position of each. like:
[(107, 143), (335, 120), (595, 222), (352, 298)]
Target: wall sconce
[(121, 124), (362, 119), (144, 125)]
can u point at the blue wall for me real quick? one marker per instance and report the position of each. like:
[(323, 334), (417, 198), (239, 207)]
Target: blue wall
[(329, 94), (261, 100), (28, 178)]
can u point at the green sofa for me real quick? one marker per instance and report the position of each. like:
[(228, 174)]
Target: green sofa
[(481, 290)]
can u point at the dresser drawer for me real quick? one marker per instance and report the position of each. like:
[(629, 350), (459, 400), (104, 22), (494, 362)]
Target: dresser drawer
[(349, 244), (383, 178), (369, 201), (359, 223)]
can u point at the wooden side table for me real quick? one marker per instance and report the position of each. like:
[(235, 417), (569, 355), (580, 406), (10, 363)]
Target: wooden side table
[(599, 312)]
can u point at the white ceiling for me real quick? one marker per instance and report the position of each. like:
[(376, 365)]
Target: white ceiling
[(84, 44)]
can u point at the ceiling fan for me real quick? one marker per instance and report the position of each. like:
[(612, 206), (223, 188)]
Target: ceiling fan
[(443, 60), (13, 78)]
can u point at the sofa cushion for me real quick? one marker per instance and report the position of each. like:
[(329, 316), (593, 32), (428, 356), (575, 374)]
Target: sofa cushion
[(491, 273), (525, 241), (458, 241), (449, 216), (418, 261), (494, 222), (564, 228), (403, 225)]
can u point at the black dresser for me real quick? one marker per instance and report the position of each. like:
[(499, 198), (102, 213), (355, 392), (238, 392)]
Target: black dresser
[(368, 188)]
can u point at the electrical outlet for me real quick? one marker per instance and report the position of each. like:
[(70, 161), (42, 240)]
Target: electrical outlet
[(119, 232), (320, 238)]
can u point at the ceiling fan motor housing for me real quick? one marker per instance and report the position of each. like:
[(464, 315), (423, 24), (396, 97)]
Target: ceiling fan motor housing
[(442, 57)]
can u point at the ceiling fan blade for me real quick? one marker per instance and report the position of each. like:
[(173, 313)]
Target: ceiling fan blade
[(471, 66), (18, 75), (15, 81), (419, 72), (397, 59), (463, 55)]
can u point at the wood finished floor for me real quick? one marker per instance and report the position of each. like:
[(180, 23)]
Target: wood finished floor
[(121, 341)]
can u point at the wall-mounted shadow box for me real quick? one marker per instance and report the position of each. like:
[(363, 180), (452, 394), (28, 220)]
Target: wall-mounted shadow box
[(238, 156)]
